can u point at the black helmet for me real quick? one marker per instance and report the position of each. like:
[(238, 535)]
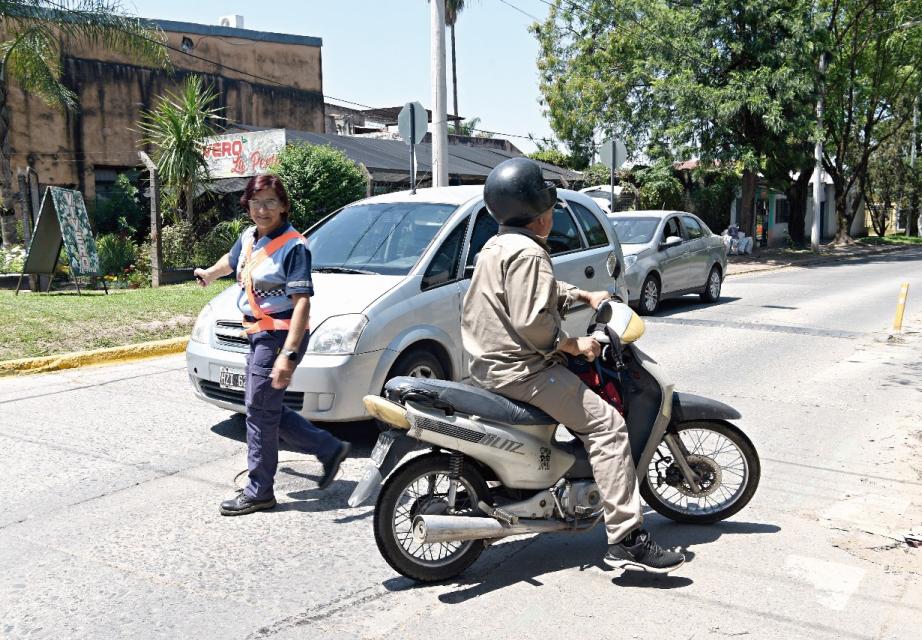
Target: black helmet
[(516, 192)]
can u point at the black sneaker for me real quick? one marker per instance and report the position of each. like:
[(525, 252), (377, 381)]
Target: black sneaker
[(242, 504), (331, 466), (638, 552)]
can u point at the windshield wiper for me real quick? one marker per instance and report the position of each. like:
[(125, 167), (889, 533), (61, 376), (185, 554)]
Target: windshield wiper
[(341, 270)]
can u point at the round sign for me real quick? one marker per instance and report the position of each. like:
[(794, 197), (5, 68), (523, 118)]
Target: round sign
[(412, 122)]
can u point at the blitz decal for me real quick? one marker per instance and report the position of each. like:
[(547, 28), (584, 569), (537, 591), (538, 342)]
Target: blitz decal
[(502, 443)]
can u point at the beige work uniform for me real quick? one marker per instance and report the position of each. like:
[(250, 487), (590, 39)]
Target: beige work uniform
[(511, 326)]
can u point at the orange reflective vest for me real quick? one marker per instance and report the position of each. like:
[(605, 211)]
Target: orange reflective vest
[(262, 322)]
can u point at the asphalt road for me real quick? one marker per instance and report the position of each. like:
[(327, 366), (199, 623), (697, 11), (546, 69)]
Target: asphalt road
[(113, 475)]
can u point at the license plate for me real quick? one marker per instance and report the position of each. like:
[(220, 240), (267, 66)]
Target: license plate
[(382, 446), (232, 379)]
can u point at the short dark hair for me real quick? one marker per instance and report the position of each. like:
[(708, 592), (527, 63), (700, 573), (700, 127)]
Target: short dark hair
[(266, 181)]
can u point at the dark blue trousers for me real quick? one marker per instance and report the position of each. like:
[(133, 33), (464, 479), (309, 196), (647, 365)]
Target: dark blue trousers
[(268, 419)]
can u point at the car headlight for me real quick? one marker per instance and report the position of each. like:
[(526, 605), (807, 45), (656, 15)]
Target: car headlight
[(202, 325), (337, 335), (629, 261)]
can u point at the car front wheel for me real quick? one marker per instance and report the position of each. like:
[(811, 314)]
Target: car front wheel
[(649, 295)]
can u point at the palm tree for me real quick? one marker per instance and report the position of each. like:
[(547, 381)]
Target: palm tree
[(452, 9), (176, 129), (31, 57)]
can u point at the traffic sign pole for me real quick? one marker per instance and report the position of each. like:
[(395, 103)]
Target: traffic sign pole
[(412, 149)]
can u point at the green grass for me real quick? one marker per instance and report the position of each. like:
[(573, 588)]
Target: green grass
[(891, 240), (39, 324)]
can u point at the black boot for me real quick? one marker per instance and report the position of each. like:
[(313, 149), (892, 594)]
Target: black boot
[(242, 503), (331, 466)]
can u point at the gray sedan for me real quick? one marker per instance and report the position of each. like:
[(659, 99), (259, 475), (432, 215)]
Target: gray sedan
[(669, 254)]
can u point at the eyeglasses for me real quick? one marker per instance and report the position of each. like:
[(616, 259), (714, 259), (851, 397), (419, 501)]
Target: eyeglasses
[(269, 204)]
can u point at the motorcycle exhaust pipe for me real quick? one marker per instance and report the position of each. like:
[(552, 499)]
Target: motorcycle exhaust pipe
[(434, 529)]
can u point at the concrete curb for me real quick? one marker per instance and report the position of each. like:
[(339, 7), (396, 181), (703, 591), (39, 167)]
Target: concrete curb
[(112, 355), (758, 268)]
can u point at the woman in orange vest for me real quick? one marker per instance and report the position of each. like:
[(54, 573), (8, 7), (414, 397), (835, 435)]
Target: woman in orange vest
[(273, 267)]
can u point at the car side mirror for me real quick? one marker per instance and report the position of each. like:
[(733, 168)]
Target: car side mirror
[(671, 241), (613, 266)]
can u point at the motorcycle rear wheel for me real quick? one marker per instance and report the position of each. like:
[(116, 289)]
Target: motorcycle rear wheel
[(727, 462), (420, 488)]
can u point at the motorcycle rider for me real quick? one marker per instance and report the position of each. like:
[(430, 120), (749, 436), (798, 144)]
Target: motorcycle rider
[(511, 327)]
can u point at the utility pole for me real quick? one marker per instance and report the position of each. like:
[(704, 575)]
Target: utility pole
[(818, 184), (439, 92)]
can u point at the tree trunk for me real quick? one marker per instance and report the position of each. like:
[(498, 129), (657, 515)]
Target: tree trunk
[(7, 202), (747, 220), (797, 194), (843, 217), (189, 198), (454, 78)]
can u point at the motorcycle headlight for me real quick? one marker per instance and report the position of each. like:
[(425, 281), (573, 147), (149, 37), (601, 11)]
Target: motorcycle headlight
[(629, 261), (337, 335), (202, 325)]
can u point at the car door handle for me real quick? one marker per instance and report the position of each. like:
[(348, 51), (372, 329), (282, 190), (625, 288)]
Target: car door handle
[(589, 271)]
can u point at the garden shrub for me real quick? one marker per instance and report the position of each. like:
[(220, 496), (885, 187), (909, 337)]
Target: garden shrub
[(319, 180), (11, 259), (116, 254), (219, 241), (178, 241)]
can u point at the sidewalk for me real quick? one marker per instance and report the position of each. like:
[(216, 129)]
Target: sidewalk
[(773, 259)]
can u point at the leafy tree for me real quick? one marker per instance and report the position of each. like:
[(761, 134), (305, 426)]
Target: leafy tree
[(31, 56), (559, 158), (319, 180), (890, 183), (728, 80), (874, 72), (176, 129), (597, 173), (659, 188), (121, 212)]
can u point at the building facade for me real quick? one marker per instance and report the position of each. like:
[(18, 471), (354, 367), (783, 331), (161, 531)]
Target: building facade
[(269, 80)]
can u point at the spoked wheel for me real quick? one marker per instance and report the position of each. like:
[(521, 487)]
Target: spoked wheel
[(724, 460), (421, 488)]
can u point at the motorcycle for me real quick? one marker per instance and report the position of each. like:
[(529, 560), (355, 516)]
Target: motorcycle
[(485, 467)]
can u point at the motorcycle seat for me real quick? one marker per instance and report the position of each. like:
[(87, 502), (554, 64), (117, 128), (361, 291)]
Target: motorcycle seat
[(463, 398)]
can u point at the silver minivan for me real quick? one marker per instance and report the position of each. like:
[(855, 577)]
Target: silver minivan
[(390, 273)]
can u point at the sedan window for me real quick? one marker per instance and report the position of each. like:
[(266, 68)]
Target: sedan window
[(444, 263), (564, 235), (672, 229), (385, 238), (593, 229), (485, 227), (692, 228)]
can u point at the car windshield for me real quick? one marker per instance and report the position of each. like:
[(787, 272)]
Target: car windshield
[(635, 230), (385, 238)]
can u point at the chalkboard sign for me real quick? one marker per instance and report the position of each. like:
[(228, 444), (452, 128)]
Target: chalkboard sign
[(62, 220)]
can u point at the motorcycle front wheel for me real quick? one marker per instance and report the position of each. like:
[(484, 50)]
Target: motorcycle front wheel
[(421, 488), (726, 463)]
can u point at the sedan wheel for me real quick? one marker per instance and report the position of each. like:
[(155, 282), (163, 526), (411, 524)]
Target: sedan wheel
[(649, 295), (418, 363), (711, 291)]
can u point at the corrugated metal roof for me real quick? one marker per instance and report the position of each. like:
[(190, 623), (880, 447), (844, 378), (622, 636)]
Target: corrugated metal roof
[(389, 160)]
